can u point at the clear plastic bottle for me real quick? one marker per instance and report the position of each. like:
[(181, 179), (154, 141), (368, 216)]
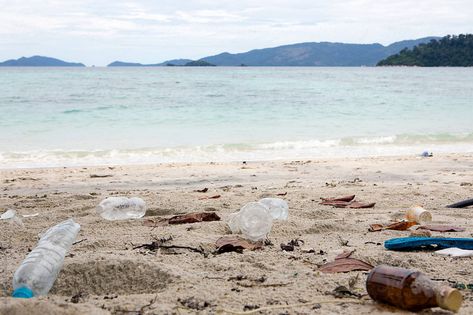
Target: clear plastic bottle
[(39, 270), (255, 222), (121, 208), (277, 207), (234, 222)]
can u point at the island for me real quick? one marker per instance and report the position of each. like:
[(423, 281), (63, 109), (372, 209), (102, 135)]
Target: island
[(39, 61), (450, 51)]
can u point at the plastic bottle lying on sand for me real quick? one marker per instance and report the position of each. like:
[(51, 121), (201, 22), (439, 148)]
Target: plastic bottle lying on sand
[(277, 207), (39, 270), (253, 221), (121, 208), (419, 215), (410, 290)]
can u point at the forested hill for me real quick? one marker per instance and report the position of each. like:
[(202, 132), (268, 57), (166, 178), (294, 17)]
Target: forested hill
[(449, 51)]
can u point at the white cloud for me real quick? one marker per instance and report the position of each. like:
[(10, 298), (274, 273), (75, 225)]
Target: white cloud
[(97, 32)]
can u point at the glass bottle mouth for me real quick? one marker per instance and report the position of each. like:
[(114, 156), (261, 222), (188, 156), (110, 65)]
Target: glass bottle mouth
[(449, 299), (22, 292)]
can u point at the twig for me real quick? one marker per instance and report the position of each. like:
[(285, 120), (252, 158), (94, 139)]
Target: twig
[(84, 239), (275, 307), (246, 285)]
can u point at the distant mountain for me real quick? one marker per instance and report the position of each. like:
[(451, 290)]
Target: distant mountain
[(173, 62), (450, 51), (39, 61), (315, 54)]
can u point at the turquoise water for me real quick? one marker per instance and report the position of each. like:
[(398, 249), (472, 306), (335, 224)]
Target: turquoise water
[(60, 117)]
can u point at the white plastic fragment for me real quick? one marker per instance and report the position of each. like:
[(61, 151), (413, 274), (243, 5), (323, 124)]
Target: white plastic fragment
[(455, 252), (11, 217)]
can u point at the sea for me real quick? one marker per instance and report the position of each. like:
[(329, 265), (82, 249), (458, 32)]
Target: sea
[(53, 117)]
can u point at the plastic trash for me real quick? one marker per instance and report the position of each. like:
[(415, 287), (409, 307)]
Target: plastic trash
[(253, 221), (11, 216), (410, 290), (234, 222), (455, 252), (121, 208), (419, 215), (277, 207), (461, 204), (39, 270), (427, 243)]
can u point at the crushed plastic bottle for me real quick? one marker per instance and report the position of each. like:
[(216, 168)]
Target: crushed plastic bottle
[(277, 207), (121, 208), (39, 270), (253, 221)]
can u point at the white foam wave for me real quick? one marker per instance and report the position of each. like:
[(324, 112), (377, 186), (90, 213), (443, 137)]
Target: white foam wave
[(225, 153)]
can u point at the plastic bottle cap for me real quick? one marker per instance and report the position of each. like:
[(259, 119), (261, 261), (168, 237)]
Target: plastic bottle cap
[(23, 292), (450, 299)]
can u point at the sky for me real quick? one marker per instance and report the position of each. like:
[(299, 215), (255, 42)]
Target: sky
[(97, 32)]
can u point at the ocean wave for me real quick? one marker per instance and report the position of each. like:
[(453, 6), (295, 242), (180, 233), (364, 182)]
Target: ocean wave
[(345, 147)]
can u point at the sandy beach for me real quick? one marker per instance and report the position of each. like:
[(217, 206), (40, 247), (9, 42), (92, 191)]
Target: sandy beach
[(104, 274)]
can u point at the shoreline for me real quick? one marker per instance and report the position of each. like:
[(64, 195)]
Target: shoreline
[(106, 275), (237, 162)]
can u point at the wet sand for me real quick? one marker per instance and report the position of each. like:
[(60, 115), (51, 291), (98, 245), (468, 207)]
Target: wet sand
[(104, 274)]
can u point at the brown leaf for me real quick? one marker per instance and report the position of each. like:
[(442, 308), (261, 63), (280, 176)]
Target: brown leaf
[(211, 197), (345, 254), (345, 265), (442, 228), (336, 203), (233, 243), (194, 217), (282, 194), (204, 190), (400, 226), (361, 205), (375, 227), (100, 175), (346, 198)]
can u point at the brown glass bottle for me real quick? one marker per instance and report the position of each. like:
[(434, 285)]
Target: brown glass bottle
[(410, 290)]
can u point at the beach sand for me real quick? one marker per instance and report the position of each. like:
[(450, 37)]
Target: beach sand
[(103, 274)]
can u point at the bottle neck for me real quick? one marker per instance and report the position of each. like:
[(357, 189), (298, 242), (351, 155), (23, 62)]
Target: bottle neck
[(448, 298)]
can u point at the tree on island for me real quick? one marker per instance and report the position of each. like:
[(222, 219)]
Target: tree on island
[(449, 51), (199, 63)]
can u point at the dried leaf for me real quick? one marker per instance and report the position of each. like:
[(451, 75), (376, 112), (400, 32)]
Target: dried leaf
[(400, 226), (442, 228), (204, 190), (287, 247), (233, 243), (282, 194), (361, 205), (100, 175), (194, 217), (345, 254), (345, 265), (346, 198), (338, 204), (211, 197), (376, 227)]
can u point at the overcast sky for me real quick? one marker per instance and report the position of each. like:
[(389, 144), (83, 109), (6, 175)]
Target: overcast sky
[(98, 32)]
